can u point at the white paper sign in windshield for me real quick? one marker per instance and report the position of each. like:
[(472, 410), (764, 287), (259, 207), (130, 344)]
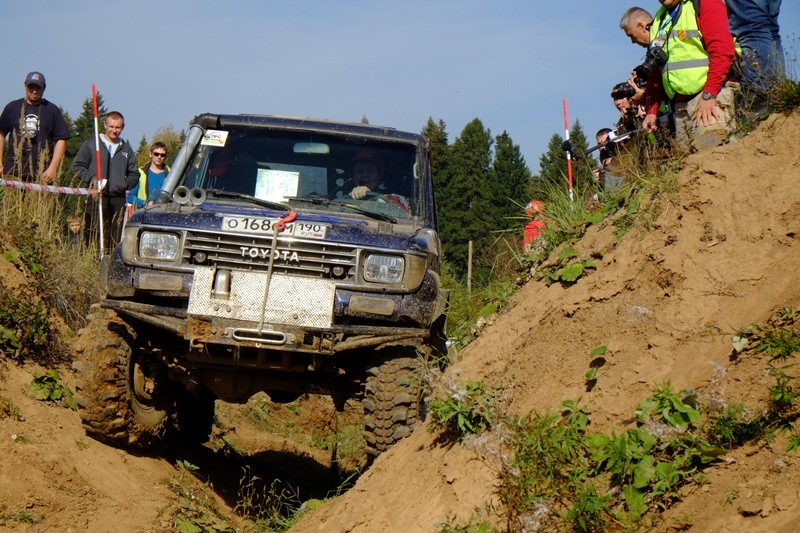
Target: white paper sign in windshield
[(275, 185)]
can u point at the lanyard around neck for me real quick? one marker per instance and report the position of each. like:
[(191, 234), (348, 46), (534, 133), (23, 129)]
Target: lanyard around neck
[(673, 17)]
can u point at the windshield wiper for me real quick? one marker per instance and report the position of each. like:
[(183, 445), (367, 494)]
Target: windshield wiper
[(250, 198), (321, 200)]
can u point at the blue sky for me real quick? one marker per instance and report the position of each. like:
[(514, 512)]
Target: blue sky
[(508, 63)]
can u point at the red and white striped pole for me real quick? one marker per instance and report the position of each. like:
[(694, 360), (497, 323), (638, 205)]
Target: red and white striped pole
[(99, 167), (569, 153)]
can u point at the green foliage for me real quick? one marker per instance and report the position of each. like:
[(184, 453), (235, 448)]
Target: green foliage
[(268, 507), (46, 387), (63, 277), (83, 125), (166, 134), (733, 426), (566, 268), (476, 191), (553, 164), (667, 407), (778, 344), (196, 512), (20, 517), (594, 365), (509, 182), (463, 312), (777, 338), (469, 409), (9, 410), (25, 330), (782, 394), (448, 526), (570, 478), (785, 96)]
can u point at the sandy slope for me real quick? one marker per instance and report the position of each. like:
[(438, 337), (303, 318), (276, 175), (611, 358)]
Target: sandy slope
[(666, 303)]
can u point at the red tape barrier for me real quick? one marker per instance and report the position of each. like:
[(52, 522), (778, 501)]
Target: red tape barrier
[(46, 188)]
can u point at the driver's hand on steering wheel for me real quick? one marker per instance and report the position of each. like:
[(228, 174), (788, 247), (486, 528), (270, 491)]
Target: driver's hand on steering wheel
[(360, 192)]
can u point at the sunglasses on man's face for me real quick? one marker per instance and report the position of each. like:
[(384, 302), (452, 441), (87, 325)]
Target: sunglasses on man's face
[(159, 154)]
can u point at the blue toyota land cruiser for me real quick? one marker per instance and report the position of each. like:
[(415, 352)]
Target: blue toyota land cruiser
[(284, 255)]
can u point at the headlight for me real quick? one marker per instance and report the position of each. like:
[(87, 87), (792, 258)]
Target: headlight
[(384, 268), (158, 246)]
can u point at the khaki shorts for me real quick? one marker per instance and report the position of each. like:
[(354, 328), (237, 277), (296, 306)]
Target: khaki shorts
[(701, 137)]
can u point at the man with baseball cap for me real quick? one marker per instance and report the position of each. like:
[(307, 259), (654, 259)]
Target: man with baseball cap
[(37, 134)]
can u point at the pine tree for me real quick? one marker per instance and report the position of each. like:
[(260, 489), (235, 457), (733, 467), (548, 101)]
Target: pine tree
[(553, 163), (464, 200), (83, 126), (142, 152), (582, 164), (438, 153), (509, 182)]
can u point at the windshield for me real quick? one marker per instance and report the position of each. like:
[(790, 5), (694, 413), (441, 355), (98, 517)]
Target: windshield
[(294, 168)]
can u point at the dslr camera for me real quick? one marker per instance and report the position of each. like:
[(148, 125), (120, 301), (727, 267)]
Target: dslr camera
[(655, 58)]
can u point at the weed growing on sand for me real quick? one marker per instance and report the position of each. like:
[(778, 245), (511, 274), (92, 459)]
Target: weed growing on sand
[(779, 340), (25, 328), (466, 312), (594, 365), (9, 410), (448, 526), (21, 439), (734, 426), (195, 510), (62, 274), (266, 507), (47, 387), (20, 517), (566, 269), (782, 394), (571, 478), (469, 409)]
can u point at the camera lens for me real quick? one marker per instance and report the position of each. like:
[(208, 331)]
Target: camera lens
[(622, 90)]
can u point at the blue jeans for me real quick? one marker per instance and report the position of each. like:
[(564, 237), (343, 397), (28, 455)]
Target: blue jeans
[(754, 23)]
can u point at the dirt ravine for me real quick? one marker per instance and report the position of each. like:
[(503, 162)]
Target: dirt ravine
[(665, 301)]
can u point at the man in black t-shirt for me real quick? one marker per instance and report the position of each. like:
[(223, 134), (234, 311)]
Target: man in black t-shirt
[(37, 134)]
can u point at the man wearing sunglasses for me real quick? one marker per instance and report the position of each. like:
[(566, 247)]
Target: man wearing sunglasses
[(151, 176)]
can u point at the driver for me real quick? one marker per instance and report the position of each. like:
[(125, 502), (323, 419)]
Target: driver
[(366, 169)]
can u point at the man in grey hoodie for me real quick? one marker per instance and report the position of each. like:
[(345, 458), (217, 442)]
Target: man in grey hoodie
[(118, 174)]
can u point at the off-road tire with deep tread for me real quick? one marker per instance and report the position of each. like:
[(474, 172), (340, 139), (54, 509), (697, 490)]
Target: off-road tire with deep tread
[(393, 403), (107, 408)]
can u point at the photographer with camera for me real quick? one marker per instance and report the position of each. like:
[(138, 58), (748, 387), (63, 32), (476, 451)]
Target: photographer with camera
[(636, 22), (694, 51)]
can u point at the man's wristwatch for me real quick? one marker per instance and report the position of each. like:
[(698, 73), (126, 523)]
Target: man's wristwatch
[(708, 96)]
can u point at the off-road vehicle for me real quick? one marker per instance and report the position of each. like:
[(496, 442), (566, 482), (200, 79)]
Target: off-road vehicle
[(258, 267)]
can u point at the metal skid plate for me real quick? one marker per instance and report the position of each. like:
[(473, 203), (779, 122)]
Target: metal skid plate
[(292, 300)]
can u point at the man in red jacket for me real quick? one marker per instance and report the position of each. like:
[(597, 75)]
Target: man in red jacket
[(699, 52)]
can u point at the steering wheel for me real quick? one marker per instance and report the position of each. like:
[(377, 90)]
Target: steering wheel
[(374, 197)]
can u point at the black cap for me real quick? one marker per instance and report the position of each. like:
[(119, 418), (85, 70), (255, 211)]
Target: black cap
[(35, 78)]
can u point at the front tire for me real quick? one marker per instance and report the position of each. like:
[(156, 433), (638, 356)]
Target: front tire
[(118, 390), (393, 400)]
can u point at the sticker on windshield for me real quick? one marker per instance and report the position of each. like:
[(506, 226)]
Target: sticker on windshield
[(214, 138)]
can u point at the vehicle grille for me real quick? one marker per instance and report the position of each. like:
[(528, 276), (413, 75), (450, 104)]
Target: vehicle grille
[(293, 256)]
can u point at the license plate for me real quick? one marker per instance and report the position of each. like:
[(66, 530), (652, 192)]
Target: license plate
[(263, 226)]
